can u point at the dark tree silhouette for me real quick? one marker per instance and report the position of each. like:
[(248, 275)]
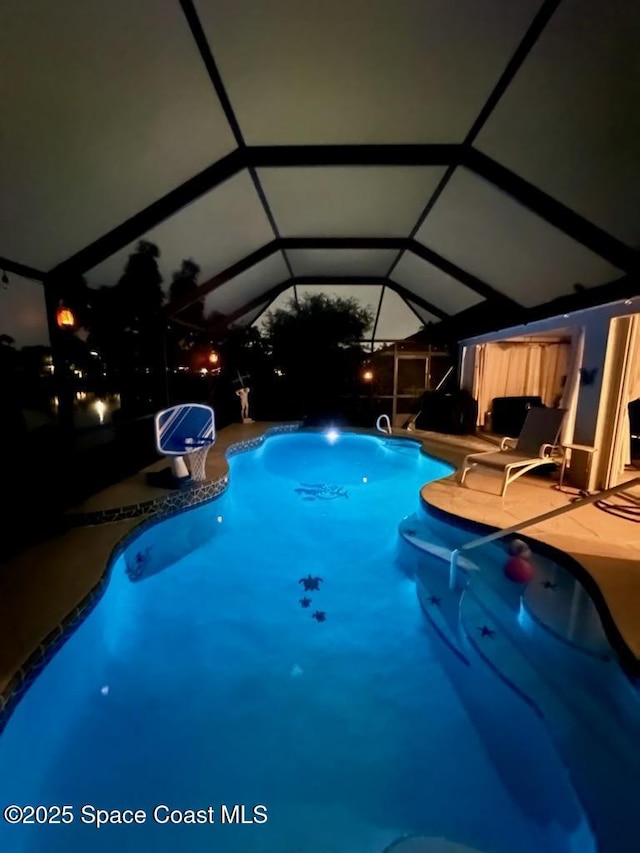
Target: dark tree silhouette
[(315, 341), (127, 330), (139, 291), (184, 283)]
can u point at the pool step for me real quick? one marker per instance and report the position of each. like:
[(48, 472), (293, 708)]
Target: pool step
[(596, 745), (409, 447), (440, 608), (488, 628), (528, 666), (417, 533)]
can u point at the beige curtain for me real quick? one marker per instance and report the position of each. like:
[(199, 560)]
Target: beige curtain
[(630, 392), (554, 367), (571, 390), (516, 369)]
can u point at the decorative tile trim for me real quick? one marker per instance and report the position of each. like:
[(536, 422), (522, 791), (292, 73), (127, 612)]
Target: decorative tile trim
[(165, 508), (193, 495), (49, 646)]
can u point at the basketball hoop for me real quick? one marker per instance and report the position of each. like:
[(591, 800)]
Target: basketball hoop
[(197, 464), (184, 434)]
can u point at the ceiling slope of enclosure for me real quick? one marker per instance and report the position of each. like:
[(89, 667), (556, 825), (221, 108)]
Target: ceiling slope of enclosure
[(429, 158)]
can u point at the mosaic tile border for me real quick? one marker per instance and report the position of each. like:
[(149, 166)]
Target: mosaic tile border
[(189, 497), (169, 507)]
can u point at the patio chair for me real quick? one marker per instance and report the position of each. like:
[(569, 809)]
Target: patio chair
[(536, 445)]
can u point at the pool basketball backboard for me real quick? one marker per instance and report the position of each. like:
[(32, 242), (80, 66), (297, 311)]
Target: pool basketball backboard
[(183, 430)]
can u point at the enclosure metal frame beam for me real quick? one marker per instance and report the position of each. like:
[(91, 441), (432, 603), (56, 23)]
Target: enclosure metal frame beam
[(216, 281), (339, 279), (22, 270), (276, 290), (206, 53), (470, 281), (456, 272), (411, 154), (267, 297), (555, 213), (283, 156), (409, 296), (137, 226), (547, 208), (527, 43)]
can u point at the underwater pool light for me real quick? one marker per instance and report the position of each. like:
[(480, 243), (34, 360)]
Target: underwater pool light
[(365, 479), (332, 435)]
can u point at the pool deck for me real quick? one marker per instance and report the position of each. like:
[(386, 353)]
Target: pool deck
[(44, 584), (605, 545)]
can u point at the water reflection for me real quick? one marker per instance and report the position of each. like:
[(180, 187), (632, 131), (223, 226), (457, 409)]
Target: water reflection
[(101, 407), (91, 409)]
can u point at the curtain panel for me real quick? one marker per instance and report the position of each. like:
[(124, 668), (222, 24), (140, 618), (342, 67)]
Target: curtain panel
[(517, 369)]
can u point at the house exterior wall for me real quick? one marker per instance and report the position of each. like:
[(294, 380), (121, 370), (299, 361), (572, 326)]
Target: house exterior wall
[(590, 414)]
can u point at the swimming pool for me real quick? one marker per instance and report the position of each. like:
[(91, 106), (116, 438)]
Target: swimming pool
[(210, 675)]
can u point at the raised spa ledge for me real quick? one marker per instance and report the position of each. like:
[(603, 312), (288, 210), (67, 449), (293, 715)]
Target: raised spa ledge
[(601, 550)]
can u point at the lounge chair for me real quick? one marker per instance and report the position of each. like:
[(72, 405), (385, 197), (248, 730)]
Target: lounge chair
[(536, 445)]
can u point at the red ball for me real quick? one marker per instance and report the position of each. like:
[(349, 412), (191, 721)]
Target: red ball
[(518, 569)]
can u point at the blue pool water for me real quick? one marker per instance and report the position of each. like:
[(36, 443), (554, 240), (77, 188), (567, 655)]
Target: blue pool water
[(200, 680)]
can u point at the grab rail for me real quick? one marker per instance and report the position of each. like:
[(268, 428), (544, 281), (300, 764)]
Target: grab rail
[(386, 418), (498, 534)]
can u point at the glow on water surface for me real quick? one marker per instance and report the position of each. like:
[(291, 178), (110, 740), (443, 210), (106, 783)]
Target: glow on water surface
[(205, 681)]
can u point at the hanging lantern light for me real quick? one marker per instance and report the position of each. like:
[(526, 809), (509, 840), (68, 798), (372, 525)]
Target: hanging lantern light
[(367, 376), (214, 358), (65, 317)]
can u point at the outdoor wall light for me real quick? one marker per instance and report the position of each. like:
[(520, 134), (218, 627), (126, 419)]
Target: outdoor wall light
[(65, 317), (367, 376)]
